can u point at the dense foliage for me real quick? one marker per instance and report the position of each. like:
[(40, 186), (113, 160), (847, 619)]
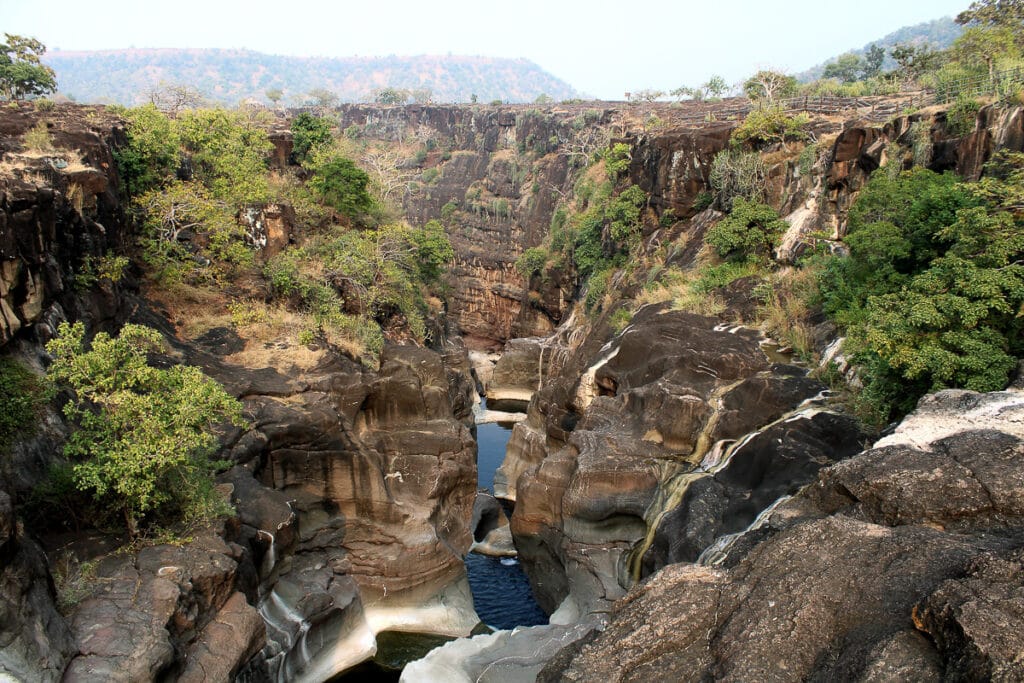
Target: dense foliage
[(144, 435), (339, 183), (750, 231), (309, 133), (22, 74), (932, 293), (343, 276)]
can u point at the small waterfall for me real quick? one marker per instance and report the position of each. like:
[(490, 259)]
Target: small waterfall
[(716, 553), (713, 458), (270, 558)]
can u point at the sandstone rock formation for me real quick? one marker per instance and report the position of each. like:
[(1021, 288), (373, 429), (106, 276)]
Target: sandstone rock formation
[(918, 580), (380, 473), (651, 471), (166, 610)]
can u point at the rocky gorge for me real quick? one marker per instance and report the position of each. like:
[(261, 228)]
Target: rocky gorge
[(689, 501)]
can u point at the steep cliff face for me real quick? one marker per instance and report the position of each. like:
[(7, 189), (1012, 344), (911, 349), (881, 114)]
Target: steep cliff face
[(494, 178), (57, 208), (353, 488), (672, 443)]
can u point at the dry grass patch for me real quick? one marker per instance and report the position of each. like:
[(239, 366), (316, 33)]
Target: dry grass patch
[(787, 297)]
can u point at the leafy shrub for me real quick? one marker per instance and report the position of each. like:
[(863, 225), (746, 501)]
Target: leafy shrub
[(151, 155), (309, 133), (617, 158), (597, 285), (620, 319), (229, 154), (703, 201), (808, 157), (532, 261), (144, 435), (109, 267), (771, 125), (23, 398), (961, 117), (342, 185), (449, 209), (751, 230), (623, 214)]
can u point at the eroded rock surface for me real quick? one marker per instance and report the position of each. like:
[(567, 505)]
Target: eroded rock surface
[(899, 563), (672, 437), (379, 472), (147, 609)]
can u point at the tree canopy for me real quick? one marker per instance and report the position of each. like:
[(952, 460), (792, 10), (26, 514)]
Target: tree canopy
[(932, 293), (144, 435), (22, 74)]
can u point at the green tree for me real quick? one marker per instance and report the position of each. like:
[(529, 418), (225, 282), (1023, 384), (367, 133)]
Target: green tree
[(771, 124), (274, 95), (22, 73), (770, 86), (339, 183), (712, 89), (229, 153), (847, 67), (874, 57), (152, 153), (433, 251), (391, 96), (932, 292), (144, 435), (323, 98), (914, 60), (309, 133), (983, 46), (1005, 14), (749, 231)]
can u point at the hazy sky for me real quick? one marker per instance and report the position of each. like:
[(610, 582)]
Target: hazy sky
[(601, 47)]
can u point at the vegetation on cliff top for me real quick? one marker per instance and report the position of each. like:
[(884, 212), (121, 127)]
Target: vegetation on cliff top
[(22, 74), (932, 293), (356, 268)]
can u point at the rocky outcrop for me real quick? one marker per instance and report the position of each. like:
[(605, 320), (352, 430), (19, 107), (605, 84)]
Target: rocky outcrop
[(56, 211), (165, 606), (525, 364), (35, 641), (379, 470), (918, 580), (677, 440), (675, 167)]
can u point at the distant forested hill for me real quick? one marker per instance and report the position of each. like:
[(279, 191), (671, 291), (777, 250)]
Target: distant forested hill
[(229, 76), (939, 33)]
